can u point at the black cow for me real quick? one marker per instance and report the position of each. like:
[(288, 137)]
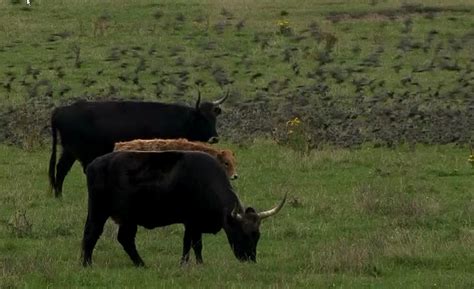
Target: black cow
[(155, 189), (90, 129)]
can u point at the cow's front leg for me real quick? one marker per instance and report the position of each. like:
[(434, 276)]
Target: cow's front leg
[(126, 237)]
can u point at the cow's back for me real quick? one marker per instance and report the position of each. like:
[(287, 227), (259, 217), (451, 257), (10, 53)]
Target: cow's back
[(120, 120)]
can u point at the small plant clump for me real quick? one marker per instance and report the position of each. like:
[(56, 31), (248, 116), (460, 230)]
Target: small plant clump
[(471, 158), (19, 225), (296, 136), (284, 27)]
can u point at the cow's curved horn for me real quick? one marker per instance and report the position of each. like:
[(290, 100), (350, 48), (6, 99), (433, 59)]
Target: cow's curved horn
[(221, 100), (273, 211), (198, 101)]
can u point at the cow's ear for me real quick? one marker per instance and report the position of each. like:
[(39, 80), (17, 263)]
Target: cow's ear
[(217, 110)]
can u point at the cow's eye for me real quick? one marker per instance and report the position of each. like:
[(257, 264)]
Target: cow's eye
[(226, 164)]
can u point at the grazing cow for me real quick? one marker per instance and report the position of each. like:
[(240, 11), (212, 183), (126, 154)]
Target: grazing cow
[(156, 189), (90, 129), (224, 157)]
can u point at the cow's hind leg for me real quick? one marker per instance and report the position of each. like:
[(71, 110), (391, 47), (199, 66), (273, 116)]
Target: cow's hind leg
[(92, 231), (126, 237), (64, 165)]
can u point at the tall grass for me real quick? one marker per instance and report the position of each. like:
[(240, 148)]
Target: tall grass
[(354, 219)]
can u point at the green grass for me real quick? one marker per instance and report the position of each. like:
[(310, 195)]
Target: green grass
[(185, 38), (365, 218), (369, 218)]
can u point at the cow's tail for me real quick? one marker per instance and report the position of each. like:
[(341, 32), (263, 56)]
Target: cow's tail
[(52, 160)]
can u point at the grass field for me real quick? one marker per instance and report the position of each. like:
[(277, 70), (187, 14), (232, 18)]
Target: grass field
[(365, 217), (161, 50), (369, 218)]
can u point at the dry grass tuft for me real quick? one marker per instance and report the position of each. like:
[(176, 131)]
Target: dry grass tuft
[(20, 225), (349, 256), (466, 236), (402, 206)]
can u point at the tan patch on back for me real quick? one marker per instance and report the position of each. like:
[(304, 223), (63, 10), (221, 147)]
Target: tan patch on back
[(225, 157)]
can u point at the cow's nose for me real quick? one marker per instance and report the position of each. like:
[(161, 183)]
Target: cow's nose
[(213, 139), (234, 177)]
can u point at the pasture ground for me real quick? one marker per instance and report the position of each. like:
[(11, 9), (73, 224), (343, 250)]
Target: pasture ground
[(366, 218)]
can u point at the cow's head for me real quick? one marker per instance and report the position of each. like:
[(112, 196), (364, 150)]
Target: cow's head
[(204, 122), (242, 228), (227, 159)]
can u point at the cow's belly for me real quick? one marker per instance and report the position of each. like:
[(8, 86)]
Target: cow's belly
[(151, 214), (206, 224), (151, 223)]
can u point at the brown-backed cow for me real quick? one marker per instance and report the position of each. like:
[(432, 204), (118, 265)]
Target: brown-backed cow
[(225, 157)]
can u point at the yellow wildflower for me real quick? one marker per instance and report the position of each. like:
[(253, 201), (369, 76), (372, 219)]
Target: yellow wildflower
[(283, 23), (294, 122), (471, 160)]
